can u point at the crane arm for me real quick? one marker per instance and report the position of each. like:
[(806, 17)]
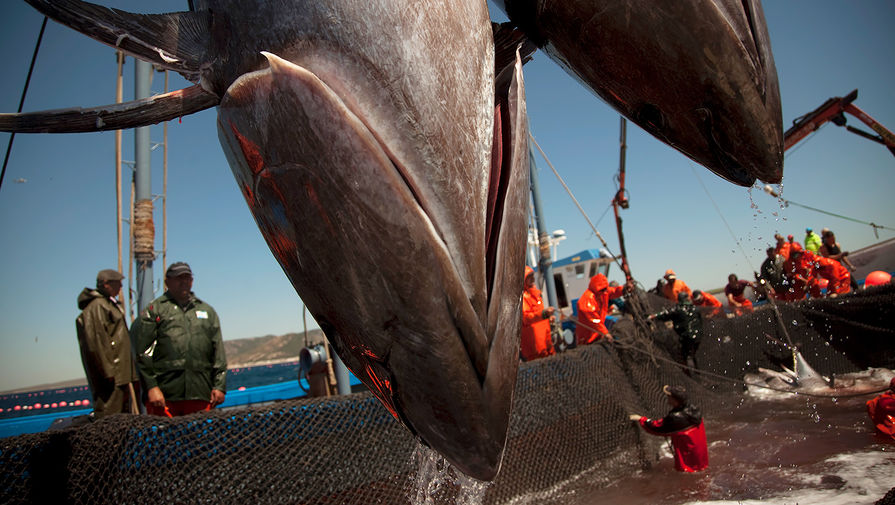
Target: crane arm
[(833, 110)]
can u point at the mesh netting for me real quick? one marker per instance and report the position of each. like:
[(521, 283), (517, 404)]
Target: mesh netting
[(569, 419)]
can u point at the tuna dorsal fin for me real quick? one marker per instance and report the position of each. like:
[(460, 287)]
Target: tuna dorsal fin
[(132, 114), (175, 41)]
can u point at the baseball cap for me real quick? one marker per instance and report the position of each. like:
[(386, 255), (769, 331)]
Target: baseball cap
[(178, 269)]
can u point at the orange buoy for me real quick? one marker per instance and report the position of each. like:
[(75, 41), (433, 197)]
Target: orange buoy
[(877, 278)]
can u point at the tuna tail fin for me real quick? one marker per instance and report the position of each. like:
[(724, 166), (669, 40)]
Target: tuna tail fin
[(175, 41), (803, 370), (132, 114)]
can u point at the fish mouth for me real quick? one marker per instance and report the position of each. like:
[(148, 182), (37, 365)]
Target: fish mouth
[(390, 291)]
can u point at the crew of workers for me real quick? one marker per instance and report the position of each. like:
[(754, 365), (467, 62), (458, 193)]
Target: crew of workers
[(173, 354), (792, 272)]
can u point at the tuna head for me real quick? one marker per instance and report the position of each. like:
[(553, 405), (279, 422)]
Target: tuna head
[(363, 138), (369, 174), (697, 74)]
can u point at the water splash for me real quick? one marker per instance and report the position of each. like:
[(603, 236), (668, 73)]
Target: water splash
[(436, 478)]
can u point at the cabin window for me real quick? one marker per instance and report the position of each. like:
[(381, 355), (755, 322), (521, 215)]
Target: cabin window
[(593, 269), (560, 291), (579, 271)]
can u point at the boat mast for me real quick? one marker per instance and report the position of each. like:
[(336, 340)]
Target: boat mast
[(142, 224), (545, 264)]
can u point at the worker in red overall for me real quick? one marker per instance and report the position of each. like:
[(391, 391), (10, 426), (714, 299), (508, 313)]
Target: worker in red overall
[(685, 427), (536, 320), (838, 276), (592, 309), (799, 273), (782, 247), (882, 412)]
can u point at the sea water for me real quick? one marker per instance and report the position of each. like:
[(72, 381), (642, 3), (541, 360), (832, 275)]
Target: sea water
[(790, 450), (70, 399)]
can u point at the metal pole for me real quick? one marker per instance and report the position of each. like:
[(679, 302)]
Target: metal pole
[(545, 264), (143, 190), (341, 371), (119, 97)]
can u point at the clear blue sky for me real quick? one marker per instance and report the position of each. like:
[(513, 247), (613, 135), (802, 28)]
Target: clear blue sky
[(58, 228)]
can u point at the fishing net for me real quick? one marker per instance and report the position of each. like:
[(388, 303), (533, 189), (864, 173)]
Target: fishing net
[(569, 421)]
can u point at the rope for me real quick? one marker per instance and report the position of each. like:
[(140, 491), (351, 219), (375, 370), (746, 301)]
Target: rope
[(726, 224), (654, 357), (144, 231), (12, 137), (738, 381), (575, 200), (840, 216)]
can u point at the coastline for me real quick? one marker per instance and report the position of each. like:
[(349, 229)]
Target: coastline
[(82, 381)]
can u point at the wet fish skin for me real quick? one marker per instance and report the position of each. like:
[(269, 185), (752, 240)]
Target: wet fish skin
[(364, 155), (699, 75)]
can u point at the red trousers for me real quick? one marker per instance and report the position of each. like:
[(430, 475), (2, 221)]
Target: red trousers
[(179, 408)]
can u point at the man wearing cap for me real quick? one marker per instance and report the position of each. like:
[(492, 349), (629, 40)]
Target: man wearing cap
[(710, 304), (673, 286), (685, 427), (180, 351), (882, 412), (812, 240), (106, 347)]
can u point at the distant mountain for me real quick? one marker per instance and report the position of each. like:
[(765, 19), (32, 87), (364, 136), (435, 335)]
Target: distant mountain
[(269, 348)]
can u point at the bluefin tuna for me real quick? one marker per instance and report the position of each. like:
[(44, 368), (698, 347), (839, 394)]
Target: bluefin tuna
[(382, 147), (698, 75)]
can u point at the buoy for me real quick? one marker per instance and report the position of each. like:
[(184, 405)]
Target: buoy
[(85, 402), (17, 407), (37, 405), (76, 403), (54, 405), (63, 403), (877, 278), (241, 388)]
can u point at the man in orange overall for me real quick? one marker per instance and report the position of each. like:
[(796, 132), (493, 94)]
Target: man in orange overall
[(799, 273), (882, 412), (674, 286), (592, 309), (838, 276), (707, 300), (536, 321), (782, 247)]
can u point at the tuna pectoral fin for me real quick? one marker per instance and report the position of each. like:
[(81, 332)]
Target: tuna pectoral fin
[(143, 112), (504, 298), (175, 41)]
